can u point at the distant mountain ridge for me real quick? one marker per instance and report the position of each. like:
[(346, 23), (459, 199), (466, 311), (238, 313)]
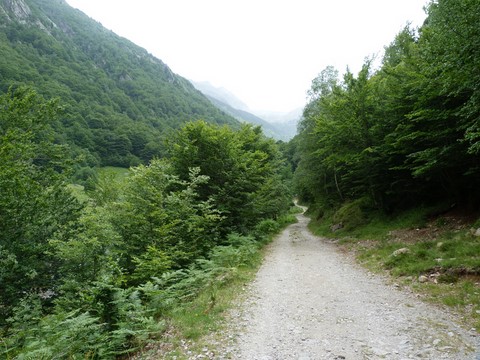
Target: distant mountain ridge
[(280, 126), (220, 93), (120, 100)]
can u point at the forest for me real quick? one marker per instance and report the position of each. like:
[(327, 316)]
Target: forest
[(92, 261), (118, 100), (404, 133), (93, 273)]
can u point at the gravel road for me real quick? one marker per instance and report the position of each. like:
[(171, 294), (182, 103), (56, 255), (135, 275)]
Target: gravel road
[(309, 301)]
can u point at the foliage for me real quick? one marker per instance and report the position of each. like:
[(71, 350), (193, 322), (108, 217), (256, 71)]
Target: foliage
[(96, 274), (162, 214), (243, 168), (35, 201), (404, 134)]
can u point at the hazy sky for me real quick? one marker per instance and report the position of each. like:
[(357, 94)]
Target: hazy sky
[(266, 52)]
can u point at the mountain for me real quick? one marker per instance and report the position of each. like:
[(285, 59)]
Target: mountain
[(280, 126), (221, 94), (230, 104), (120, 101), (286, 122), (282, 117)]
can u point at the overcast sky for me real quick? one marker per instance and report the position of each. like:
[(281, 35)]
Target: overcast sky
[(266, 52)]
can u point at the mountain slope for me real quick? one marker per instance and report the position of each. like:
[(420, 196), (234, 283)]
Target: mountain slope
[(221, 94), (120, 100), (279, 129), (245, 116)]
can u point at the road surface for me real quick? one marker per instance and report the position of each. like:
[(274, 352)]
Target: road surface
[(309, 301)]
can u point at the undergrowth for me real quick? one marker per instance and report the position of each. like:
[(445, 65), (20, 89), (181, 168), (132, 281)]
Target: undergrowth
[(210, 291), (163, 313)]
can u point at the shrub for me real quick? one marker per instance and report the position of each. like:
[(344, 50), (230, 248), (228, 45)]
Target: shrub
[(266, 227), (351, 214)]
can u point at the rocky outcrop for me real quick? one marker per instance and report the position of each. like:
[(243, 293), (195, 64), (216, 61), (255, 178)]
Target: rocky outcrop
[(18, 9)]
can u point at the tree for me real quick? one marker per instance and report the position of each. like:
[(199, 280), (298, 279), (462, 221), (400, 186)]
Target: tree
[(35, 202), (237, 163), (162, 217), (407, 133)]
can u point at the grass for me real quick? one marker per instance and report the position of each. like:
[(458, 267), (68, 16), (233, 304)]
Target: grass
[(442, 252), (376, 228), (118, 172), (196, 323)]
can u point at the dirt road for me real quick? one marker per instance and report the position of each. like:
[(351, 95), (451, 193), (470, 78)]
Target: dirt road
[(311, 302)]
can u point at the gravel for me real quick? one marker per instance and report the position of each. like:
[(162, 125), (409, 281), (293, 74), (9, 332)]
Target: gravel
[(309, 301)]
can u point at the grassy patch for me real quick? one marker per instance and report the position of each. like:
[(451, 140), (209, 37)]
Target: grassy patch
[(195, 323), (79, 192), (119, 172), (376, 227)]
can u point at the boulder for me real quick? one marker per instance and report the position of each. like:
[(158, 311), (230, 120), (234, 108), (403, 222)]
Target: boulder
[(423, 279), (336, 227), (401, 252)]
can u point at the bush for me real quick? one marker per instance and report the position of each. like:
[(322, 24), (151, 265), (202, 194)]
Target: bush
[(63, 335), (266, 227), (232, 257), (352, 214)]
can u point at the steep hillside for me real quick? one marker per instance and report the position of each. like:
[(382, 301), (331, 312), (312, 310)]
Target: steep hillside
[(245, 116), (120, 100), (282, 127), (221, 94)]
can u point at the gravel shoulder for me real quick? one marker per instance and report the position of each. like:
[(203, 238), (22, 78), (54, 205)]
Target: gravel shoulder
[(309, 301)]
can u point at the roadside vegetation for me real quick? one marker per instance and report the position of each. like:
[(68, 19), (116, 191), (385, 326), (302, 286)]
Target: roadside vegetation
[(192, 323), (101, 270)]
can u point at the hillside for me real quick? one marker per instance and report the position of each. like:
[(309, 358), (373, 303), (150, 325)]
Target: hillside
[(220, 94), (120, 101), (279, 126)]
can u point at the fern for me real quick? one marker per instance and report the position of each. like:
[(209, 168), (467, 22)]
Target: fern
[(64, 335)]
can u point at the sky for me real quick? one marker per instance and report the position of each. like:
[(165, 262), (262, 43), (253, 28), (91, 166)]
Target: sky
[(266, 52)]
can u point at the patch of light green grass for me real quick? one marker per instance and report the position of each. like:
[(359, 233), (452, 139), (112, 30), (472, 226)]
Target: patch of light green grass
[(119, 173)]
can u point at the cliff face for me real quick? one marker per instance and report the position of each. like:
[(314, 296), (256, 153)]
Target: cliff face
[(17, 9)]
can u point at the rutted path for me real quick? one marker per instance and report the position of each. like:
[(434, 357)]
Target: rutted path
[(311, 302)]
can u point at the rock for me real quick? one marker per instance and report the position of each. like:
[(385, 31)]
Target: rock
[(439, 244), (477, 232), (336, 227), (401, 252), (423, 279)]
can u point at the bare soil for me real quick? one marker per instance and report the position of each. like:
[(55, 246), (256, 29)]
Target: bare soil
[(311, 301)]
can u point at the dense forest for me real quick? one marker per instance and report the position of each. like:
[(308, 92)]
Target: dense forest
[(94, 271), (403, 134)]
